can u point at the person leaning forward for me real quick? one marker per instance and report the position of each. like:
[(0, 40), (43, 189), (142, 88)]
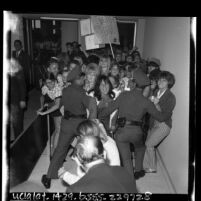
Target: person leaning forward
[(75, 102), (132, 106)]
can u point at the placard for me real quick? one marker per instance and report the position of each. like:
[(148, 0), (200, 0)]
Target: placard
[(85, 27), (90, 42), (105, 29)]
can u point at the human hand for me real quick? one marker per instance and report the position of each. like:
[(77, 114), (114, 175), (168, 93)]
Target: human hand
[(151, 98), (46, 105), (41, 113), (155, 100), (22, 104), (112, 128)]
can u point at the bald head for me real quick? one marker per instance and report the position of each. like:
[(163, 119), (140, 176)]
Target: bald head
[(89, 149)]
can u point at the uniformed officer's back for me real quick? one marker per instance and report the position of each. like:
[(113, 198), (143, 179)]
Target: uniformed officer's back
[(129, 100), (75, 99)]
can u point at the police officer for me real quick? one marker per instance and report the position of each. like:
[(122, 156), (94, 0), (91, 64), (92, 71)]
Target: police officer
[(132, 106), (75, 102)]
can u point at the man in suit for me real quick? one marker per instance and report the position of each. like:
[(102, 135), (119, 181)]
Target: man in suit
[(22, 57), (99, 177), (76, 103)]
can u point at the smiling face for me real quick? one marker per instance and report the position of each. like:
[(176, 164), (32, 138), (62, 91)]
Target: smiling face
[(129, 59), (162, 83), (50, 84), (153, 84), (104, 88), (53, 68), (114, 70), (118, 57), (104, 66), (72, 66)]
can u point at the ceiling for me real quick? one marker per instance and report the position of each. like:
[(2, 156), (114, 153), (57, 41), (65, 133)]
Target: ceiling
[(71, 16)]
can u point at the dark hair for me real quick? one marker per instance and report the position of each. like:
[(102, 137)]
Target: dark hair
[(131, 66), (154, 74), (114, 63), (75, 62), (18, 41), (169, 77), (97, 92), (116, 79), (68, 43), (151, 63), (93, 59), (49, 76), (51, 61), (136, 53), (130, 55)]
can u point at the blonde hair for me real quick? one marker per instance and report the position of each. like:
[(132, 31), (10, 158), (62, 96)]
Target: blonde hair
[(90, 127)]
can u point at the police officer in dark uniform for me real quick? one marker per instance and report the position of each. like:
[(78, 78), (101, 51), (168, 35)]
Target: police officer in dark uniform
[(132, 106), (75, 102)]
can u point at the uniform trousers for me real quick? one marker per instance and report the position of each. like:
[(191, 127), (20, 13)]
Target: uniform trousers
[(66, 136), (133, 135), (155, 135)]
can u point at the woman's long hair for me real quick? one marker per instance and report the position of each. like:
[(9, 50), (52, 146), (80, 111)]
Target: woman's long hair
[(97, 92)]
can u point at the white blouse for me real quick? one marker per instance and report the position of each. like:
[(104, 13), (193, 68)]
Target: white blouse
[(54, 93)]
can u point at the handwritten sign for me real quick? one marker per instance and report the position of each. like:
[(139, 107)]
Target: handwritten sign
[(105, 29), (90, 42), (85, 26)]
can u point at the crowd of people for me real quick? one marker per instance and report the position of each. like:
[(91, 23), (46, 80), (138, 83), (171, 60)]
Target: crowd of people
[(105, 108)]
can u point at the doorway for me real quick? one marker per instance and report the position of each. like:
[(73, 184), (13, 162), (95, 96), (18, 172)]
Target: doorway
[(127, 33)]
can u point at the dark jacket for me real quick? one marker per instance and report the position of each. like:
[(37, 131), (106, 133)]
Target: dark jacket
[(103, 178), (167, 104), (133, 105)]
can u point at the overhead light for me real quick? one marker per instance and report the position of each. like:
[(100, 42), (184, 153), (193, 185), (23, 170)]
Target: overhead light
[(59, 18)]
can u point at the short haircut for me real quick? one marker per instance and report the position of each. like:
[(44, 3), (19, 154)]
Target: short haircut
[(169, 77), (18, 41), (154, 74), (93, 59), (89, 149), (49, 76), (75, 62), (68, 43)]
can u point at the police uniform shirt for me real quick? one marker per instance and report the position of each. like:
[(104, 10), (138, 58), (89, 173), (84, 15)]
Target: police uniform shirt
[(75, 100), (133, 105)]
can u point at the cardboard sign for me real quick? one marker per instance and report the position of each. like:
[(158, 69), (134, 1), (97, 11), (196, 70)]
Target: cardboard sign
[(85, 26), (105, 29), (90, 42)]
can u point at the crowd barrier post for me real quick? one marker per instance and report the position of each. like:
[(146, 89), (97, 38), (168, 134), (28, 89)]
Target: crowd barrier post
[(49, 137)]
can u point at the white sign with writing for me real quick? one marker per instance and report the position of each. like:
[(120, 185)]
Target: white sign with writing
[(105, 29), (90, 42), (85, 26)]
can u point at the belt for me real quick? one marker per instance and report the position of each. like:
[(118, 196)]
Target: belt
[(69, 115), (133, 123)]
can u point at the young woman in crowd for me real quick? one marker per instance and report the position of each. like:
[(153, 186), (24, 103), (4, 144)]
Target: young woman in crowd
[(114, 71), (92, 72), (129, 58), (95, 128), (53, 68), (166, 101), (104, 95), (104, 65), (51, 96)]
